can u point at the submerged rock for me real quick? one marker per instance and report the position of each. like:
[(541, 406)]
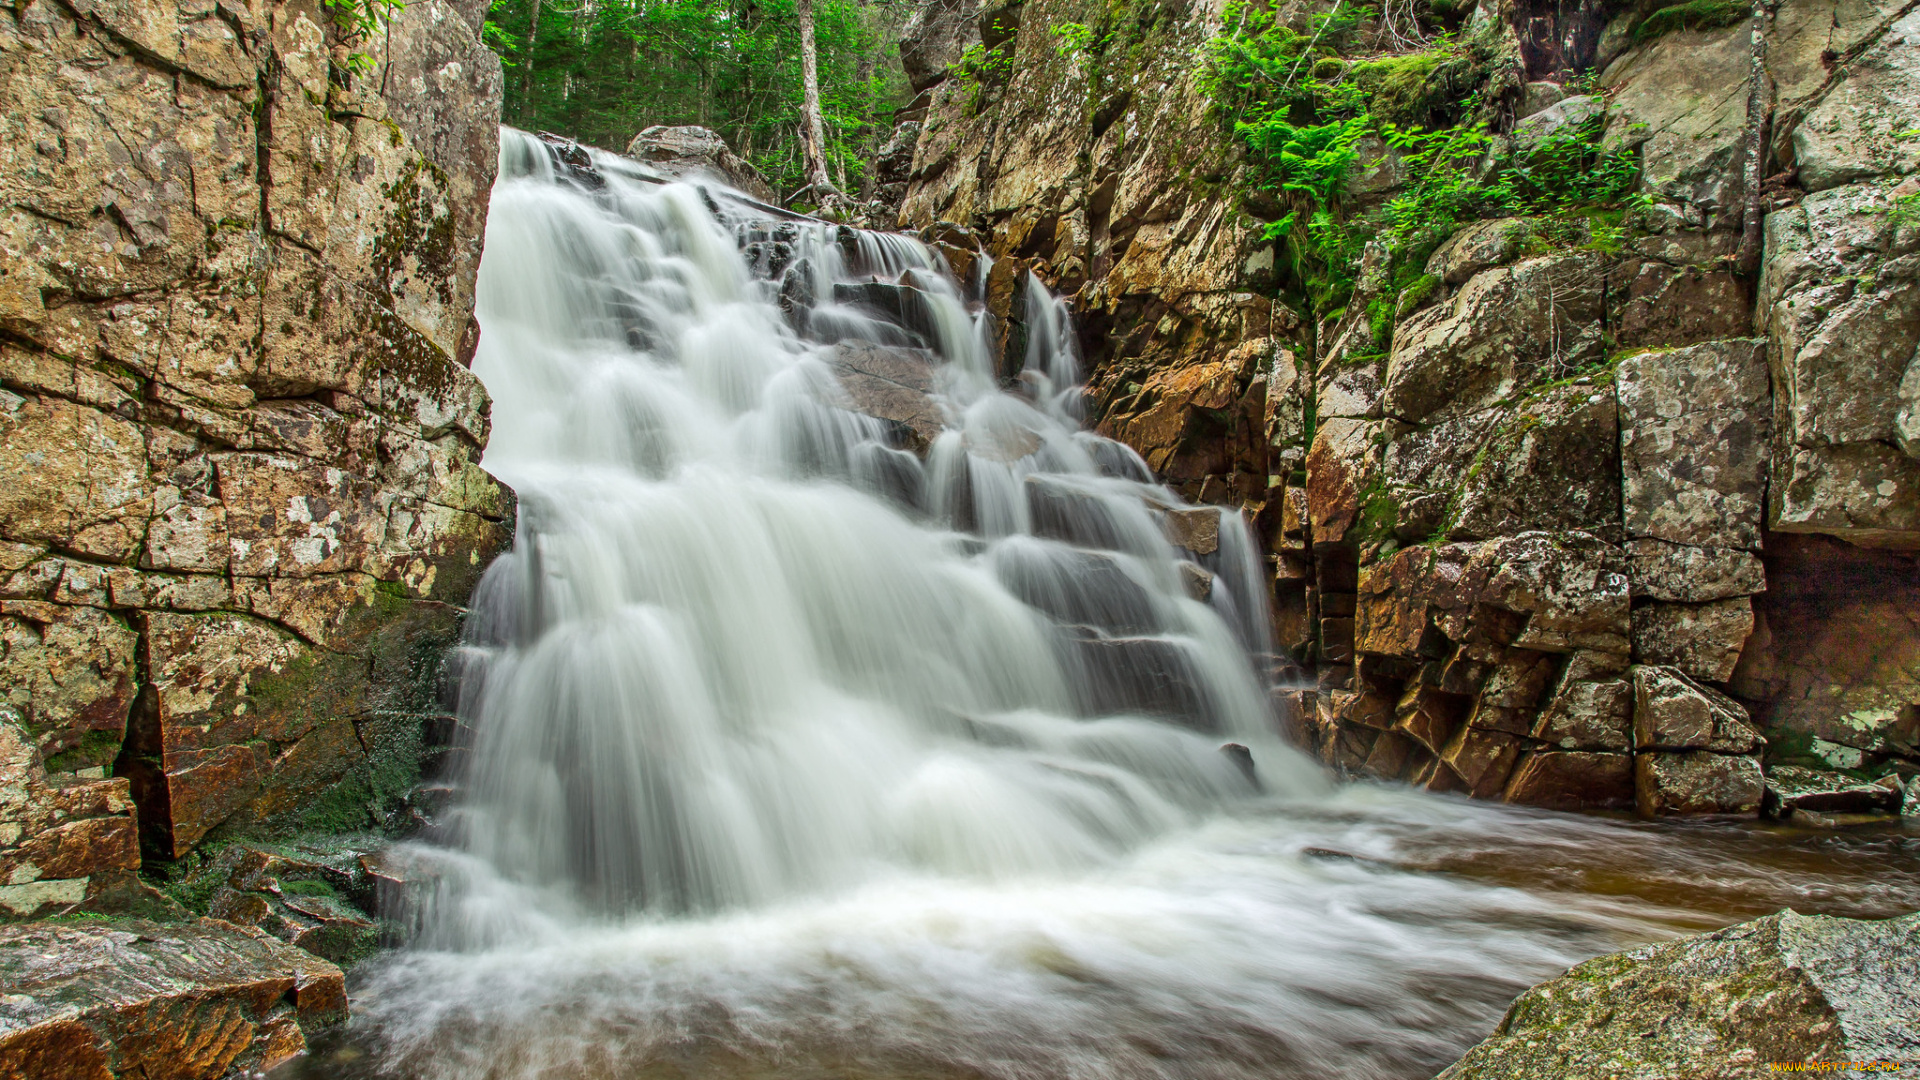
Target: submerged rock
[(129, 998), (1788, 988)]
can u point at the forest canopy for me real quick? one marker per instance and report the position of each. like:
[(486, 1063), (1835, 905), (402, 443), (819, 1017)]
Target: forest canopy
[(601, 70)]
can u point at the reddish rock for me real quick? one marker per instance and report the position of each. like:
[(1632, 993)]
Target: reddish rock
[(1572, 780), (1697, 782), (1482, 759), (131, 999)]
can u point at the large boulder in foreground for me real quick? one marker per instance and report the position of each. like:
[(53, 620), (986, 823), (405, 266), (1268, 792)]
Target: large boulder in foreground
[(1787, 988), (128, 998)]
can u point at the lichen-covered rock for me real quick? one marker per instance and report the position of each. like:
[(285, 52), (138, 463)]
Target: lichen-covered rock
[(691, 152), (1703, 640), (1792, 989), (128, 998), (1696, 782), (61, 839), (1862, 124), (1840, 297), (1792, 789), (1694, 443), (238, 308)]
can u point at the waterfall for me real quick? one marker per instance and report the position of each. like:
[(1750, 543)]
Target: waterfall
[(844, 709)]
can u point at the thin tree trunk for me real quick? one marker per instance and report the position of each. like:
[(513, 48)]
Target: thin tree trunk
[(526, 75), (813, 129), (1759, 101)]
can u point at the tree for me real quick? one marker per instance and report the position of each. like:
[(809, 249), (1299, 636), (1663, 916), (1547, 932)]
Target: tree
[(601, 70)]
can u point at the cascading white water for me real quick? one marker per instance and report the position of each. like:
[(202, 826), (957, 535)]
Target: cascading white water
[(791, 755)]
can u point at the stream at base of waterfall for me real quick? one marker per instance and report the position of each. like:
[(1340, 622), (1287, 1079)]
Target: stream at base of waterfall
[(845, 710)]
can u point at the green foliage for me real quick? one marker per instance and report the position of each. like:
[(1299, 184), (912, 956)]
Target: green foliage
[(363, 20), (1312, 118), (601, 72), (1692, 15), (1072, 39)]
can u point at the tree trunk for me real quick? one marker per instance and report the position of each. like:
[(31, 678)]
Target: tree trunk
[(1759, 105), (526, 74), (813, 130)]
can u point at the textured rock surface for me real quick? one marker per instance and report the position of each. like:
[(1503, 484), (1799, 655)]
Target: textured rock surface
[(61, 837), (126, 998), (1788, 988), (694, 153), (1654, 411), (239, 490)]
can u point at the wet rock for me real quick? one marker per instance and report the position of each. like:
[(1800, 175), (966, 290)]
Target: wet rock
[(891, 384), (1786, 988), (129, 998), (691, 152), (64, 836), (1696, 782), (320, 908), (1589, 716), (1793, 789), (1672, 712), (1196, 530), (1148, 676), (1694, 438), (1572, 780)]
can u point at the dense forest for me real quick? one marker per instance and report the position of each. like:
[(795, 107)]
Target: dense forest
[(599, 70)]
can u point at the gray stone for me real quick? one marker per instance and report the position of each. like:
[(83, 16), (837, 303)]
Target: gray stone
[(1589, 716), (1785, 988), (1703, 640), (1694, 443), (1792, 789), (1682, 99), (1856, 129), (1505, 330), (1556, 119), (691, 152), (1689, 574), (1536, 96), (1482, 245)]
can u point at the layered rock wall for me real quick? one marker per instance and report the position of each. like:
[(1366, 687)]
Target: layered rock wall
[(239, 497), (1587, 520)]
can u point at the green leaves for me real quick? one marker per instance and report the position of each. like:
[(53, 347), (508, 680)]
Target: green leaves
[(601, 71)]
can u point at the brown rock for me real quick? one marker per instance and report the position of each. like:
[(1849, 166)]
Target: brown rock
[(891, 384), (1792, 790), (133, 998), (1703, 640), (1572, 780), (1672, 712), (1697, 782), (1589, 716), (1482, 759)]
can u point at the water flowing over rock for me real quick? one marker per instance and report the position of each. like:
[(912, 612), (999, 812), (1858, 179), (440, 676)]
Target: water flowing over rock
[(1697, 429), (838, 672), (239, 490)]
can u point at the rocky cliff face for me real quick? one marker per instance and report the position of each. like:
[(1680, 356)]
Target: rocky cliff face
[(1574, 523), (239, 498)]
